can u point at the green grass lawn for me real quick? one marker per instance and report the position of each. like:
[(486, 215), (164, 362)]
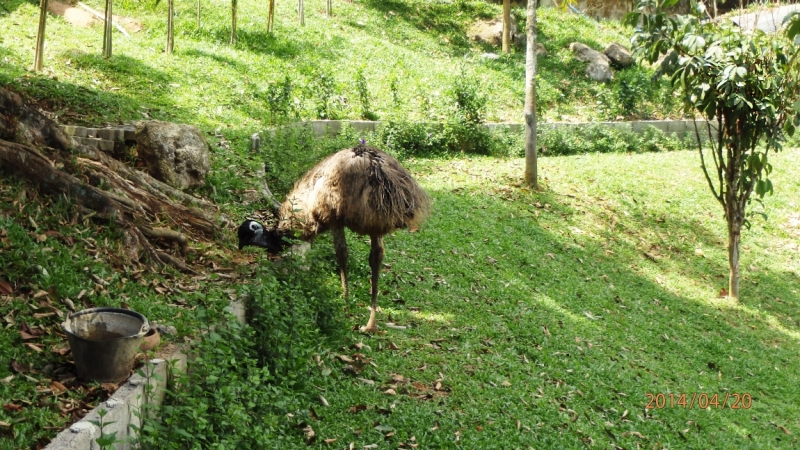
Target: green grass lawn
[(548, 319), (410, 53), (532, 319)]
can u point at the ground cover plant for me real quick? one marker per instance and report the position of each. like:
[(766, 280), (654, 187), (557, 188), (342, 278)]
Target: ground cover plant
[(576, 316)]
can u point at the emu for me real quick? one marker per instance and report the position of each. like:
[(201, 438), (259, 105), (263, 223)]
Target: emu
[(361, 188)]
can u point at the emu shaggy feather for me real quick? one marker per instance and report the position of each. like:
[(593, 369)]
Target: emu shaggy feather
[(363, 189)]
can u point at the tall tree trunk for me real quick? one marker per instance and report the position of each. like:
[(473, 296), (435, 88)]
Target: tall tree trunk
[(271, 16), (170, 26), (38, 59), (301, 12), (233, 22), (531, 172), (734, 238), (108, 27), (506, 26), (198, 14), (328, 8)]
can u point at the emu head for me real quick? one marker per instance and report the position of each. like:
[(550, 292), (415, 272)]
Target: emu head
[(254, 233)]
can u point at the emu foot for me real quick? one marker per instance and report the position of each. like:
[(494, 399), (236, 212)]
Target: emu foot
[(371, 329)]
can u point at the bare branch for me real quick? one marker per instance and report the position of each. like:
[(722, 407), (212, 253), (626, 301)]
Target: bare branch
[(703, 163)]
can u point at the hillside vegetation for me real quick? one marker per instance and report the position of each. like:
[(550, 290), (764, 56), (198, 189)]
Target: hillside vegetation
[(574, 316), (409, 54)]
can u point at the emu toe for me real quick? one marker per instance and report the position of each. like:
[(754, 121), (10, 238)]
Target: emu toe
[(370, 329)]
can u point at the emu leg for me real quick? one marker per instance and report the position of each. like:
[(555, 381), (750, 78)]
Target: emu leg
[(375, 260), (340, 246)]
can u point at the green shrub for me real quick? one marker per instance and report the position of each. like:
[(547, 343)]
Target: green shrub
[(242, 381), (575, 140)]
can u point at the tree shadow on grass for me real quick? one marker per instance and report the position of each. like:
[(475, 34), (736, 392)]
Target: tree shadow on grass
[(80, 105), (572, 308), (9, 6), (259, 41)]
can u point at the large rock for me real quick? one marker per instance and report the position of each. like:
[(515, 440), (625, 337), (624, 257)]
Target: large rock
[(619, 55), (173, 153), (21, 123), (491, 32), (599, 68)]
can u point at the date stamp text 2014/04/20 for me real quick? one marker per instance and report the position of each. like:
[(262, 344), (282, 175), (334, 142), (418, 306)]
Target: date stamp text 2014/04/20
[(699, 400)]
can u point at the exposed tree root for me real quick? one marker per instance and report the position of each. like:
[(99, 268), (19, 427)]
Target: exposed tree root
[(150, 212), (138, 205)]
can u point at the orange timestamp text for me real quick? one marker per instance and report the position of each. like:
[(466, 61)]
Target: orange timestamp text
[(700, 400)]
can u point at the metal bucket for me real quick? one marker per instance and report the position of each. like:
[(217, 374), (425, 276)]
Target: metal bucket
[(105, 341)]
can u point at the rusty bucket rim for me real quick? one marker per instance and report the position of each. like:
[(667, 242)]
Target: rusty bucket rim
[(145, 328)]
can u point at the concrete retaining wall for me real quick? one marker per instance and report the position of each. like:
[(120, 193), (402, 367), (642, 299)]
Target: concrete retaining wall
[(677, 128)]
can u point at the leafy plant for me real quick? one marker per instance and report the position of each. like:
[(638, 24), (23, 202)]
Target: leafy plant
[(106, 441), (745, 85), (329, 103), (565, 140), (363, 95), (279, 100)]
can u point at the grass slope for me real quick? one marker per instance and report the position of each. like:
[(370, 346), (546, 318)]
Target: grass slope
[(546, 319), (535, 319), (410, 53)]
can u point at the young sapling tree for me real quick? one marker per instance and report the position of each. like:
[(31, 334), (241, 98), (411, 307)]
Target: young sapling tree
[(744, 84)]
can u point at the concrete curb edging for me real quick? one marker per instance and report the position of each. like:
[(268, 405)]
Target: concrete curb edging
[(120, 408)]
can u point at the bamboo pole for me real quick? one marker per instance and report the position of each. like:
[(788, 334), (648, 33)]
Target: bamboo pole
[(38, 59)]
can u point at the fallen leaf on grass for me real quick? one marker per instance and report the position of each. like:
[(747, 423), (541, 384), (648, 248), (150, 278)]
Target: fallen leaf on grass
[(357, 408), (19, 367), (12, 407), (345, 359), (723, 293), (57, 388), (311, 436), (384, 428), (390, 392), (5, 288), (34, 347), (329, 441)]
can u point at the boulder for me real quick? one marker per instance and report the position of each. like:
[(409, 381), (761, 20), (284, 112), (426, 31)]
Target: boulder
[(173, 153), (491, 32), (619, 55), (599, 68)]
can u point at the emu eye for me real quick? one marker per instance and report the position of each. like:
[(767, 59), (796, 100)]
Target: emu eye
[(255, 226)]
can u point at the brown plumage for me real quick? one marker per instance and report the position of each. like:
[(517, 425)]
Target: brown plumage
[(363, 189)]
